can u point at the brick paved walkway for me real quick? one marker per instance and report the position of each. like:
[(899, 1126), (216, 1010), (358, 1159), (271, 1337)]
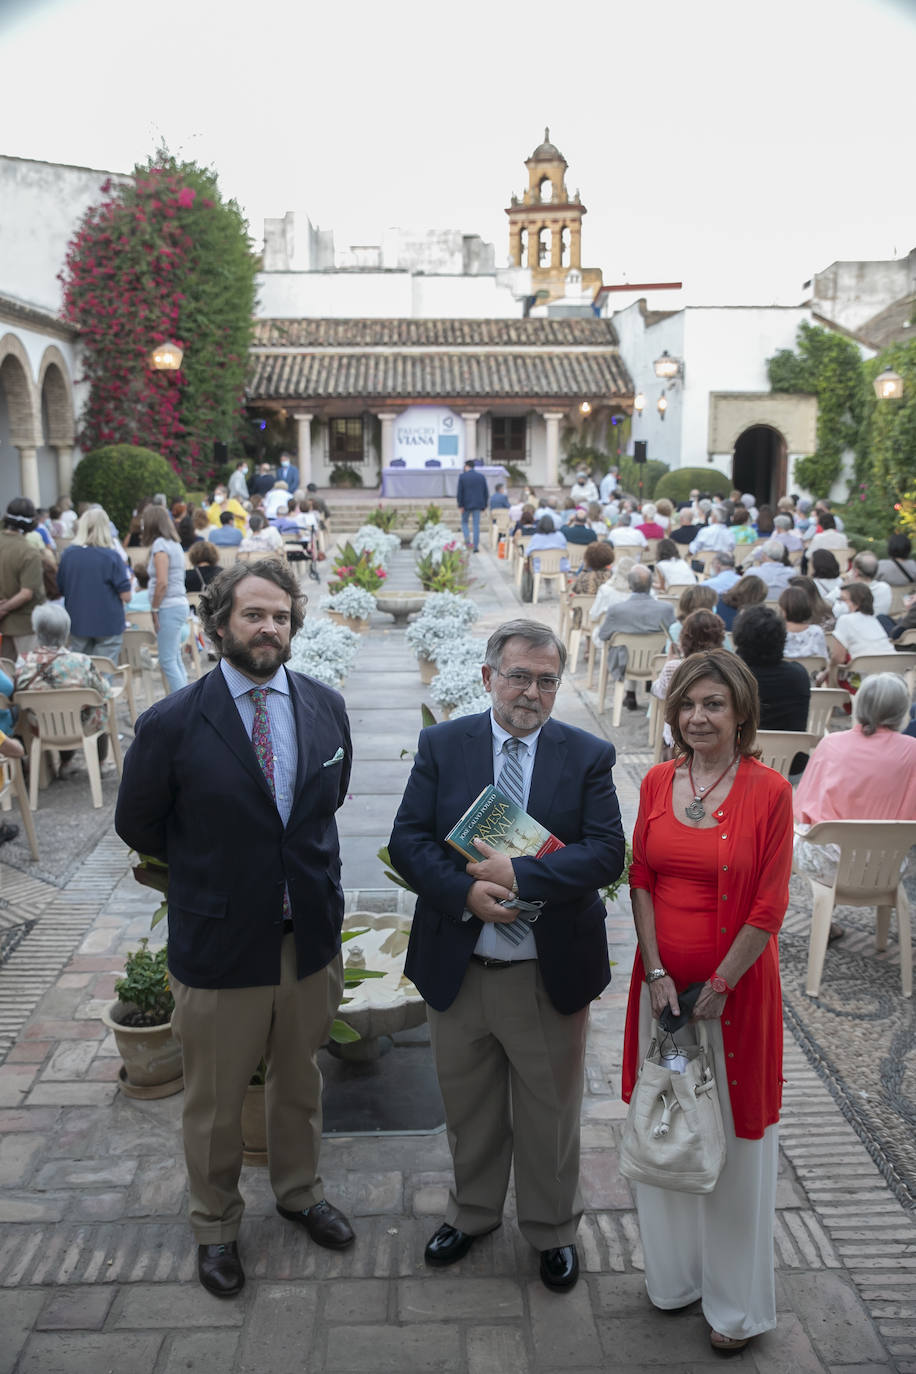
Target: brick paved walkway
[(97, 1264)]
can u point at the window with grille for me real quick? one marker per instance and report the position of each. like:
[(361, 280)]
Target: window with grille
[(346, 441), (509, 434)]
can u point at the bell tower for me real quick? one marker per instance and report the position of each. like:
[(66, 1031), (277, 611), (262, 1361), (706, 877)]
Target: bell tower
[(545, 228)]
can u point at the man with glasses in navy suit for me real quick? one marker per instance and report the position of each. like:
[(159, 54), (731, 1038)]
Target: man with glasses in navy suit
[(508, 952)]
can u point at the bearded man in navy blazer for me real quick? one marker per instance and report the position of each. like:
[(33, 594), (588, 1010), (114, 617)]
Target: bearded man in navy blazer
[(234, 782), (508, 986)]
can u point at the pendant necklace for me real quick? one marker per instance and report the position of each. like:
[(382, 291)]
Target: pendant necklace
[(694, 810)]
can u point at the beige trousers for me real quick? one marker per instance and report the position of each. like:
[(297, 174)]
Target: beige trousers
[(223, 1033), (510, 1070)]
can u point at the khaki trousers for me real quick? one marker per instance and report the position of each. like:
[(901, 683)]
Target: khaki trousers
[(223, 1032), (510, 1070)]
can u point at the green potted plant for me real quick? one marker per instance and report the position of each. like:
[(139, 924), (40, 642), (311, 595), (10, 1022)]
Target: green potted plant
[(141, 1021)]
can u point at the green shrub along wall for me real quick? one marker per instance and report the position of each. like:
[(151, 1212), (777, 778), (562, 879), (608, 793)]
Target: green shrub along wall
[(678, 485), (118, 476), (649, 473)]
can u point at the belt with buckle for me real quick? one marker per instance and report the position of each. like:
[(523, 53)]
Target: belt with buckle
[(495, 963), (287, 927)]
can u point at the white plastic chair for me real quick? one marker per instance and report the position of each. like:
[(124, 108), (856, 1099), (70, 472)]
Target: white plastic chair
[(779, 747), (548, 571), (824, 701), (640, 651), (59, 726), (868, 874), (573, 632), (499, 527), (120, 680), (866, 665)]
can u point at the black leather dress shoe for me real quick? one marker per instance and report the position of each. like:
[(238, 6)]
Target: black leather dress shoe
[(220, 1269), (448, 1244), (559, 1267), (324, 1223)]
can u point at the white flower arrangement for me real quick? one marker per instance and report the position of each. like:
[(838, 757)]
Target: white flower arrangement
[(350, 601), (457, 685), (462, 653), (433, 540), (450, 606), (427, 637), (379, 544), (324, 650)]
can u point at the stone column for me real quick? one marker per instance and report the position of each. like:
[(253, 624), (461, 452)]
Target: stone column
[(575, 245), (552, 419), (64, 469), (387, 418), (304, 446), (515, 245), (556, 245), (28, 474), (470, 418)]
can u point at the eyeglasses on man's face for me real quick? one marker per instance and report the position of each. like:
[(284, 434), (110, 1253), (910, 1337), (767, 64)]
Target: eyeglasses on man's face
[(520, 682)]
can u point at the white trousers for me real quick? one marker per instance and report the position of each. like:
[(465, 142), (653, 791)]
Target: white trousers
[(716, 1246)]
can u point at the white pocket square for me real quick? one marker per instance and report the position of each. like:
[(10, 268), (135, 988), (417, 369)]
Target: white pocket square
[(335, 759)]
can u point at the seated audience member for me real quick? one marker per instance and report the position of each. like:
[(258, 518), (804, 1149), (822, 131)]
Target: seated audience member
[(741, 528), (898, 569), (764, 524), (827, 536), (785, 689), (748, 501), (699, 597), (624, 536), (685, 531), (526, 525), (567, 513), (279, 495), (648, 524), (596, 521), (597, 562), (52, 665), (804, 639), (905, 622), (641, 613), (749, 590), (615, 589), (204, 559), (723, 574), (263, 537), (701, 630), (664, 513), (499, 500), (867, 773), (670, 568), (771, 565), (546, 537), (583, 489), (227, 535), (858, 631), (223, 502), (821, 612), (201, 522), (825, 573), (784, 531), (715, 534), (549, 508), (864, 569), (577, 531)]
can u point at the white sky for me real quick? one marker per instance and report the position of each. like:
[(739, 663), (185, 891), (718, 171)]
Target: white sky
[(737, 148)]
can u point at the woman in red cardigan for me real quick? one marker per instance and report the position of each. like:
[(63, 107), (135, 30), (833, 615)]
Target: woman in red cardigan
[(712, 853)]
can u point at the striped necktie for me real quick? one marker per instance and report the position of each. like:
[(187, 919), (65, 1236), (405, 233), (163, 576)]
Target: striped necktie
[(512, 785), (264, 750)]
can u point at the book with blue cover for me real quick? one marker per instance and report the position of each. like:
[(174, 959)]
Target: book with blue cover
[(504, 826)]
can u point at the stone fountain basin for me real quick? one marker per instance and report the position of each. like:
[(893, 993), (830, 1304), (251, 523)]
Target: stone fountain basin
[(400, 604), (380, 1006)]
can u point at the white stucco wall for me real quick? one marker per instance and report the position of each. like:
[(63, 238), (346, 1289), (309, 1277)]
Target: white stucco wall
[(43, 203), (385, 295), (851, 293)]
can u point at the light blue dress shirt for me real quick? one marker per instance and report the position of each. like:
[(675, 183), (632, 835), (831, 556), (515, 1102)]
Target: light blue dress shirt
[(282, 727), (490, 943)]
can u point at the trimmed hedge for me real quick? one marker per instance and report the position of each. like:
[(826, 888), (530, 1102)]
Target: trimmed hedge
[(649, 473), (677, 485), (118, 476)]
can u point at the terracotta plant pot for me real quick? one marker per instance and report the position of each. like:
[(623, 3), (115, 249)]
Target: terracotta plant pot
[(151, 1054), (254, 1126), (428, 669)]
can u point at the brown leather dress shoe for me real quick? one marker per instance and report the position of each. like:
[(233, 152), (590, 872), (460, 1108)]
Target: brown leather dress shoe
[(220, 1269), (324, 1223)]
